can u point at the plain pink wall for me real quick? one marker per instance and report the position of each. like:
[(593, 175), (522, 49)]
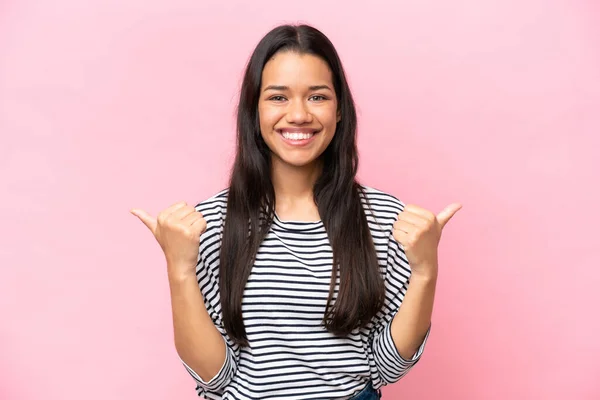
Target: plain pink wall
[(108, 105)]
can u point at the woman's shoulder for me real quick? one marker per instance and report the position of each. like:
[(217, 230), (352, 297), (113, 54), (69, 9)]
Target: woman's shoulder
[(214, 207), (380, 202), (218, 199)]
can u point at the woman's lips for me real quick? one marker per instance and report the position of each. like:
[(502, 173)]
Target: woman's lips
[(297, 137)]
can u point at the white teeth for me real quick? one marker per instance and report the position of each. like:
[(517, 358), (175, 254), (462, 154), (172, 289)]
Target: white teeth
[(297, 136)]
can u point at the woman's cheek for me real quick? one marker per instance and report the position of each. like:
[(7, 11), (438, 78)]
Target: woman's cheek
[(269, 115)]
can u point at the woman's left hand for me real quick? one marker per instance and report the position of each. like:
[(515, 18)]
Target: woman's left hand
[(419, 231)]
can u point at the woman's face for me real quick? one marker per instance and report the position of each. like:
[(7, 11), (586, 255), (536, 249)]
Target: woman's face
[(297, 108)]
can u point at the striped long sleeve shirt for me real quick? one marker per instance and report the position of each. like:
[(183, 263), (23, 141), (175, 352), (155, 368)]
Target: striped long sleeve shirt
[(290, 354)]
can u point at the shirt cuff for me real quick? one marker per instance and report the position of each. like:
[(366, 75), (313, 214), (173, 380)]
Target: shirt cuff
[(393, 353), (217, 381)]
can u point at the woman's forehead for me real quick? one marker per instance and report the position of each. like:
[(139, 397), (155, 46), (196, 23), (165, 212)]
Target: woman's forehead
[(293, 69)]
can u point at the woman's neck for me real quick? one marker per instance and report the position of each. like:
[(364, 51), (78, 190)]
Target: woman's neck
[(294, 189)]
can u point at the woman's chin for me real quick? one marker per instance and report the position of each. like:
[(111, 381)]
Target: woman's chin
[(297, 162)]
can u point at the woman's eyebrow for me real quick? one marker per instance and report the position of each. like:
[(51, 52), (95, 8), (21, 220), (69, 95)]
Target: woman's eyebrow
[(276, 87), (320, 87), (284, 88)]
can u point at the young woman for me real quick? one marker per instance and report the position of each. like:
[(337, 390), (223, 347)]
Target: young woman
[(300, 287)]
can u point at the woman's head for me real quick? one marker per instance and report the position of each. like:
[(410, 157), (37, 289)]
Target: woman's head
[(297, 108), (295, 87)]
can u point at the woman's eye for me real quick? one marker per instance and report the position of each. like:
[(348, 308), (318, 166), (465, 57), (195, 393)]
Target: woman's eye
[(318, 97), (277, 98)]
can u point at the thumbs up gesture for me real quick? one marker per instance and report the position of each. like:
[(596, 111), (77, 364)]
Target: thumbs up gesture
[(419, 231), (177, 229)]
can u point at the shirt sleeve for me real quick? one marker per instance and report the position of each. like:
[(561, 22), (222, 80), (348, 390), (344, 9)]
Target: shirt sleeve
[(207, 273), (390, 365), (220, 380)]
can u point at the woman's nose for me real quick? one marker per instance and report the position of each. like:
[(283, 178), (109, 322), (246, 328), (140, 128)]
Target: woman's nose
[(298, 113)]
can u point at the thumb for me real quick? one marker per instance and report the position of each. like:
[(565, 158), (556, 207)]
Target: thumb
[(146, 218), (444, 216)]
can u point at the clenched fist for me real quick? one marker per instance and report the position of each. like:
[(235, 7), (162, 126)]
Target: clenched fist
[(419, 231), (177, 229)]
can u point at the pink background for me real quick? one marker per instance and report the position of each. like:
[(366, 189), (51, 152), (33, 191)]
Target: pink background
[(108, 105)]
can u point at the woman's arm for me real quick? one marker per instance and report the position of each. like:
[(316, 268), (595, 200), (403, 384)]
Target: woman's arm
[(200, 338), (412, 321), (418, 231), (198, 342)]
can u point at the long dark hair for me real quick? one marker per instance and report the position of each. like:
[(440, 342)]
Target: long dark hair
[(251, 197)]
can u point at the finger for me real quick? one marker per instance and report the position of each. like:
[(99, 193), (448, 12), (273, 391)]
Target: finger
[(171, 209), (444, 216), (401, 237), (182, 213), (191, 217), (404, 226), (200, 223), (415, 219), (146, 218), (420, 211)]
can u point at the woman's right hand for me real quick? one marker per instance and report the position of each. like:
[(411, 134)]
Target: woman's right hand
[(177, 229)]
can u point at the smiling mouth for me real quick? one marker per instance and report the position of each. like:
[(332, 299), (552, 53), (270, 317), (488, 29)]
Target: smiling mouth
[(297, 135)]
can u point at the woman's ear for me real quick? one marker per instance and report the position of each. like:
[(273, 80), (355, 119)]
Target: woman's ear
[(339, 116)]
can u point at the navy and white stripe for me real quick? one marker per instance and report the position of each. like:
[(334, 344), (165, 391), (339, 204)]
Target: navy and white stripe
[(290, 354)]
